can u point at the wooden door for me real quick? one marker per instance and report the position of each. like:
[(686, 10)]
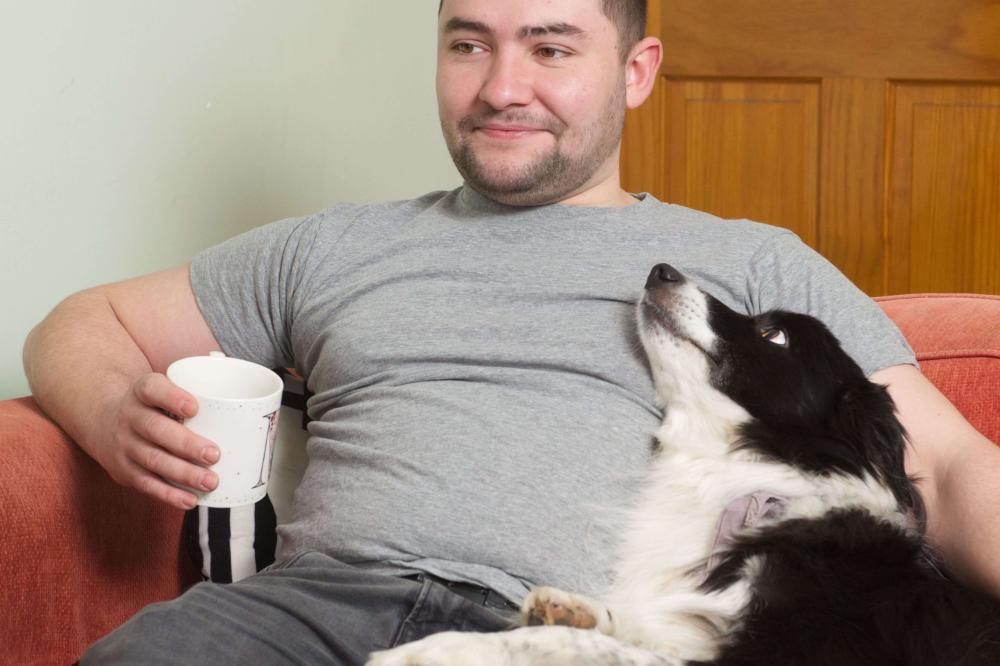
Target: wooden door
[(869, 127)]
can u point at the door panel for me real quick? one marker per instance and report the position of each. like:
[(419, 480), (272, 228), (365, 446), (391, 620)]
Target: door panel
[(945, 234), (871, 129), (911, 39), (745, 149)]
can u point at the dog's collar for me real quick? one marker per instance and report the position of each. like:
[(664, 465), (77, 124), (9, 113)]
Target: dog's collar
[(740, 514)]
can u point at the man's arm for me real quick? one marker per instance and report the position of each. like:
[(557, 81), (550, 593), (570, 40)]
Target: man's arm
[(95, 366), (959, 476)]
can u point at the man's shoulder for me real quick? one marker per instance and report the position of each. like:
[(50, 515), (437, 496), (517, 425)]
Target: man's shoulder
[(701, 217), (708, 225), (398, 209)]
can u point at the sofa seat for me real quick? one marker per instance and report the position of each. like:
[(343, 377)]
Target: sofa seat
[(81, 555)]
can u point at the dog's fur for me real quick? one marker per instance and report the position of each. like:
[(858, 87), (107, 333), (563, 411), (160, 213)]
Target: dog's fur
[(767, 405)]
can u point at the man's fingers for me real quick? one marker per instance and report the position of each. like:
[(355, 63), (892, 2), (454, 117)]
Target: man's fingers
[(152, 485), (149, 450), (155, 390), (171, 452), (171, 468), (161, 430)]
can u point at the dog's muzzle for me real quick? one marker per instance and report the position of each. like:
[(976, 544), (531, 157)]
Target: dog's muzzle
[(663, 274)]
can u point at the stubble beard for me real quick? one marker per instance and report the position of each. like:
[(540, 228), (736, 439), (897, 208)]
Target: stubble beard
[(550, 175)]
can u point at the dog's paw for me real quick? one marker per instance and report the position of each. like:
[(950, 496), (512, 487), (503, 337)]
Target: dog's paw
[(446, 649), (548, 605)]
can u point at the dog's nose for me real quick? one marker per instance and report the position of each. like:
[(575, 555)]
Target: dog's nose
[(663, 273)]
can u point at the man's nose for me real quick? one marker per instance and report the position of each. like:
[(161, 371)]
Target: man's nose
[(508, 83)]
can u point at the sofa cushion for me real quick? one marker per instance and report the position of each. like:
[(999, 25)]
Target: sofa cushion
[(80, 554), (956, 338)]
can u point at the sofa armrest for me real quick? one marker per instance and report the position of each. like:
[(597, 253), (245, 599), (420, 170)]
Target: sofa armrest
[(956, 338), (80, 554)]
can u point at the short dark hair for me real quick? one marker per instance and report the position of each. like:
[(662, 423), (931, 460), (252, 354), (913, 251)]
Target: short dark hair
[(629, 16)]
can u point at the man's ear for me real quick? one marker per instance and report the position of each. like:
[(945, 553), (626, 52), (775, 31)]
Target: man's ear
[(641, 70)]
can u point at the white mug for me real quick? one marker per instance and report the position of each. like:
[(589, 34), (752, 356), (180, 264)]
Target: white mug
[(238, 406)]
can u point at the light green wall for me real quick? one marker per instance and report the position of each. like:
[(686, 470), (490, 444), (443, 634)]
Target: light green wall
[(135, 132)]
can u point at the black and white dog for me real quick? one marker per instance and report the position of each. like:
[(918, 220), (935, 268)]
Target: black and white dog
[(778, 526)]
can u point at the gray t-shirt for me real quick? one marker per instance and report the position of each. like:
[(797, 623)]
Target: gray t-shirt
[(482, 405)]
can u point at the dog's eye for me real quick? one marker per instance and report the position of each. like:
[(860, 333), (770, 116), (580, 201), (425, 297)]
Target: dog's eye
[(775, 334)]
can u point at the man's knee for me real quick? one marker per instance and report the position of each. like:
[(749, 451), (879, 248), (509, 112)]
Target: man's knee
[(158, 634)]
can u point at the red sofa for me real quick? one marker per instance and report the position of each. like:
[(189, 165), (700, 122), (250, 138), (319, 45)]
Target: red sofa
[(80, 554)]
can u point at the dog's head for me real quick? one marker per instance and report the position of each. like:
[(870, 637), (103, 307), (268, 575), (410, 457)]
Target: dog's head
[(779, 382)]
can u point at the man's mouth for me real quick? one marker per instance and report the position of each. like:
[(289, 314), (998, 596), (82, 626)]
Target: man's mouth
[(509, 131)]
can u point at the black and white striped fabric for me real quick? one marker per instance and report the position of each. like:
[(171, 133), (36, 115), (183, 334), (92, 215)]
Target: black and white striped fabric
[(232, 543)]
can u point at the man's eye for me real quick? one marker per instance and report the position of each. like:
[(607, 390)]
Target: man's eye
[(551, 53), (775, 334), (465, 48)]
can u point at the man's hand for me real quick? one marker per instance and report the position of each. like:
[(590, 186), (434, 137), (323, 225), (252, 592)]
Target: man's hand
[(149, 450), (95, 366)]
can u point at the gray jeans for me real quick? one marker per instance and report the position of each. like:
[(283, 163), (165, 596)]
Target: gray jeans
[(311, 609)]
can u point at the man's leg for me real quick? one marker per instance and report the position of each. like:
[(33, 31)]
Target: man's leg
[(309, 610)]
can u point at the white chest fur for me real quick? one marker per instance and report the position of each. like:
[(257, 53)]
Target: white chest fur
[(672, 530)]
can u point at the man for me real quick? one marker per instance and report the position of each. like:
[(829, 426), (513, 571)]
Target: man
[(480, 403)]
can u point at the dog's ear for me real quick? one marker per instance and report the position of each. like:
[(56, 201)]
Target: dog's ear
[(855, 433), (864, 419)]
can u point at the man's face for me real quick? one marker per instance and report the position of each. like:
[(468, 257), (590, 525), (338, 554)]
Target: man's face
[(531, 95)]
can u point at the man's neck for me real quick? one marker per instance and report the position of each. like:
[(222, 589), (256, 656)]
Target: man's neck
[(590, 199), (607, 193)]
